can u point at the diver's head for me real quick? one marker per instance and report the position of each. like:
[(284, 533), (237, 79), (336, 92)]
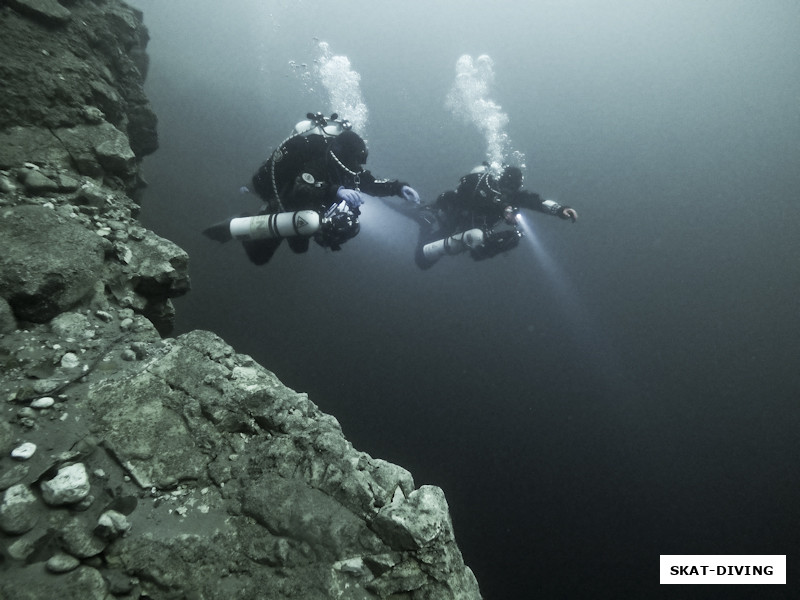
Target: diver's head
[(510, 180), (350, 150)]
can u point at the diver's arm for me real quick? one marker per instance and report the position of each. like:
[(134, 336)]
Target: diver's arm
[(380, 187), (533, 201)]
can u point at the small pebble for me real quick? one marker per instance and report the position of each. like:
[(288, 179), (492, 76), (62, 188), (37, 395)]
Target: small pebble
[(45, 402), (70, 360), (21, 549), (23, 452), (62, 563), (26, 412)]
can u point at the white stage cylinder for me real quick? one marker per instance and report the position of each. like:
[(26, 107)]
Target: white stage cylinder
[(455, 244), (278, 225)]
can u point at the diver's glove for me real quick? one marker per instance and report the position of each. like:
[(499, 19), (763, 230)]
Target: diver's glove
[(352, 197), (510, 215), (410, 194)]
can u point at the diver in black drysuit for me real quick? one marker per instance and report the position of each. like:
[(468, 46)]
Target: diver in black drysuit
[(315, 172), (486, 202)]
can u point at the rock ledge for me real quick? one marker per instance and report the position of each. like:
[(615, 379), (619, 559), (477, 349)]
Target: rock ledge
[(134, 465)]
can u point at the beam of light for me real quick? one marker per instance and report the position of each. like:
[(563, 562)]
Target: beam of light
[(561, 284), (600, 355), (390, 222)]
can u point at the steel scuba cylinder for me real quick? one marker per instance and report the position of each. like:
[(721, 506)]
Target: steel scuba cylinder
[(455, 244), (276, 225)]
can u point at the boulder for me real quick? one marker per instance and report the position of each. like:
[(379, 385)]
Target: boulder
[(49, 11), (18, 510), (69, 486), (7, 320), (414, 522), (47, 263)]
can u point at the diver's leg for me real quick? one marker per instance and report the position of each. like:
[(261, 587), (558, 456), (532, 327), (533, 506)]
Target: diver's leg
[(260, 251), (219, 232), (298, 244)]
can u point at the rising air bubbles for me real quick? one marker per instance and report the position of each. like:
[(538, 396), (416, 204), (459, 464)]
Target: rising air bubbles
[(341, 83), (469, 100)]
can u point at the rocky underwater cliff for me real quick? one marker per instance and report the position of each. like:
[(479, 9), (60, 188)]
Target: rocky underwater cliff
[(134, 465)]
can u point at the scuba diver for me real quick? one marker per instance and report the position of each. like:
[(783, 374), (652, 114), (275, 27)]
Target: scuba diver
[(481, 216), (312, 186)]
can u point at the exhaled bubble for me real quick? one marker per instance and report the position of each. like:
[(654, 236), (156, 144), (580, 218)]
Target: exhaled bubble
[(469, 101), (342, 84)]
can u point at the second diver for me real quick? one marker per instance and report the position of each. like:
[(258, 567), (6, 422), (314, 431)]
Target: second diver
[(481, 216)]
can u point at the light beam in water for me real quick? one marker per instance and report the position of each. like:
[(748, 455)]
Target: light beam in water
[(557, 277), (597, 345)]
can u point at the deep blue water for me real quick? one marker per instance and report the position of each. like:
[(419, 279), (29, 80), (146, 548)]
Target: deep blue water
[(607, 392)]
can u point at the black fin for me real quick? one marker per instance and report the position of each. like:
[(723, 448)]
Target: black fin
[(219, 232)]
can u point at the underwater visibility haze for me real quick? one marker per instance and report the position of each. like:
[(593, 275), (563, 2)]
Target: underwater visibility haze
[(610, 390)]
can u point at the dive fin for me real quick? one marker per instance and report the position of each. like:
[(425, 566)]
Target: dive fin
[(219, 232)]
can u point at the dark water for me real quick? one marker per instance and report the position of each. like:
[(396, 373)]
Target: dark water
[(609, 391)]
